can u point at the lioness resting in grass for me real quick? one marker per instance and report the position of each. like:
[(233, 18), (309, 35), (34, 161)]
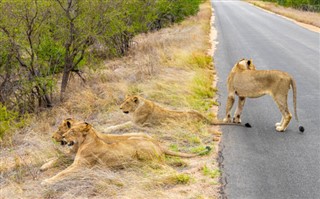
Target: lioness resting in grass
[(68, 123), (245, 81), (147, 113), (93, 150)]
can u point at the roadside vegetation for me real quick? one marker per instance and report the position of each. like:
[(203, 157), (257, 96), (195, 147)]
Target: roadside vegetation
[(305, 5), (44, 43), (307, 12), (169, 65)]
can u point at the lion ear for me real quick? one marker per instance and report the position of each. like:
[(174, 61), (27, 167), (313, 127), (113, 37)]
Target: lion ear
[(136, 99), (251, 66), (249, 62), (87, 128), (68, 124)]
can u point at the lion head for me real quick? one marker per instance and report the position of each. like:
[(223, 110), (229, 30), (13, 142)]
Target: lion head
[(245, 64), (77, 134), (63, 128), (130, 104)]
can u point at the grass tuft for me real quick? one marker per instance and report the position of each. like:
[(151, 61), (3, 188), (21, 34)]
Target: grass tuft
[(181, 179), (211, 173), (202, 91)]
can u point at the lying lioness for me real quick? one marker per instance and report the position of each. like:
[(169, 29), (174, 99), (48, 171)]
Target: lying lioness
[(245, 81), (93, 150), (68, 123), (147, 113)]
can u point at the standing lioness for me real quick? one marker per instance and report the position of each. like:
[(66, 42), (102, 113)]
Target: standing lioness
[(245, 81)]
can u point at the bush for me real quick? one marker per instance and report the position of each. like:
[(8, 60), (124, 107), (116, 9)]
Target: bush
[(60, 37), (7, 120)]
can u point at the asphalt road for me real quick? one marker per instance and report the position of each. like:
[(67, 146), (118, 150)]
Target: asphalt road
[(260, 162)]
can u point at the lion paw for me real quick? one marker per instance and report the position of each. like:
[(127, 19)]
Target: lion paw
[(227, 120), (278, 124), (236, 120), (280, 129)]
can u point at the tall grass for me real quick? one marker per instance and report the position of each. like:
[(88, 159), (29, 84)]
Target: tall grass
[(152, 70)]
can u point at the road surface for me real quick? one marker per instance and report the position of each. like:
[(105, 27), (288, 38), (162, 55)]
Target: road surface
[(259, 162)]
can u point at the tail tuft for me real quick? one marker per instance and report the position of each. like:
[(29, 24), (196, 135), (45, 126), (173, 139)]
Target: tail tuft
[(301, 129), (206, 151), (247, 125)]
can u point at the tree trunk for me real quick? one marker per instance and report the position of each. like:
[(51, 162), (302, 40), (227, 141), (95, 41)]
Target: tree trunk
[(64, 83)]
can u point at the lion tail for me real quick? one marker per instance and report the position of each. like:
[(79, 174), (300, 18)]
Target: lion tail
[(294, 91), (216, 122), (219, 122), (186, 155)]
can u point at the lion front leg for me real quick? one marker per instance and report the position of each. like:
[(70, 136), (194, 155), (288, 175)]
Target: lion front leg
[(229, 105), (60, 176), (237, 114), (111, 129), (49, 164)]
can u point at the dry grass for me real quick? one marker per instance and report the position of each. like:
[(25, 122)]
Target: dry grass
[(311, 18), (171, 67)]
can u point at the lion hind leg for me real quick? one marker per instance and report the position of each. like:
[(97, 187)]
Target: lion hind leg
[(280, 123), (237, 115), (285, 123), (281, 101), (229, 105)]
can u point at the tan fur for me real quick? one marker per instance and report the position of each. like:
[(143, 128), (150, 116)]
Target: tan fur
[(245, 81), (147, 113), (93, 150), (70, 122)]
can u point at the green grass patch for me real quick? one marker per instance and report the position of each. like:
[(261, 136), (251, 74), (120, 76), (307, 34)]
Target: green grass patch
[(10, 120), (211, 173), (200, 60), (194, 139), (201, 150), (174, 147), (182, 178), (202, 91)]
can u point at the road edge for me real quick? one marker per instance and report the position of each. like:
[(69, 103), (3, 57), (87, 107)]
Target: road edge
[(219, 158)]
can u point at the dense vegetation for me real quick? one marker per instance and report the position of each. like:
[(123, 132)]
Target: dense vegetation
[(44, 42), (308, 5)]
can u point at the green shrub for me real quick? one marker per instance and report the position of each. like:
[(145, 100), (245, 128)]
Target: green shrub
[(7, 120)]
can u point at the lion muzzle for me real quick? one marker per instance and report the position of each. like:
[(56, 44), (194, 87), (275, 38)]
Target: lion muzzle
[(71, 143)]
